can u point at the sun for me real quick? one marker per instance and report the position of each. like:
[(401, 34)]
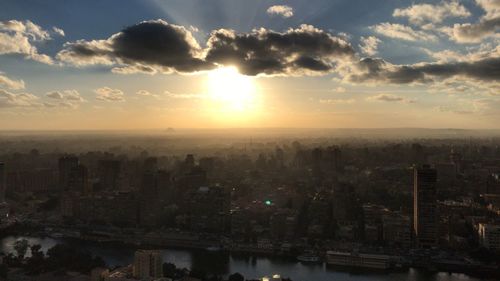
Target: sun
[(229, 90)]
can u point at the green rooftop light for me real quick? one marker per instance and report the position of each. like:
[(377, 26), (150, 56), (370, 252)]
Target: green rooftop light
[(268, 202)]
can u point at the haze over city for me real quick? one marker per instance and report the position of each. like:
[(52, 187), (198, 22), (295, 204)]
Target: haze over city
[(249, 140)]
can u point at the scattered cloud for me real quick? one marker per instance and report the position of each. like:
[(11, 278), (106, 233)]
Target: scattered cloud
[(487, 26), (422, 13), (280, 10), (73, 95), (58, 31), (182, 96), (55, 95), (337, 101), (403, 32), (66, 99), (454, 109), (8, 99), (390, 98), (483, 51), (143, 93), (146, 93), (19, 37), (369, 45), (70, 95), (339, 90), (109, 94)]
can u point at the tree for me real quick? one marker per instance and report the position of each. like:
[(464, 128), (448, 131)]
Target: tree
[(3, 271), (35, 250), (21, 247), (236, 277), (36, 262)]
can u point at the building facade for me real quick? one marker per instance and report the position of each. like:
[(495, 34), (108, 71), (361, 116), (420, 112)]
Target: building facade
[(148, 265), (425, 215)]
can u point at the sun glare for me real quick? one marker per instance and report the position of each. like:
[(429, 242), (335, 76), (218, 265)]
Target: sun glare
[(231, 91)]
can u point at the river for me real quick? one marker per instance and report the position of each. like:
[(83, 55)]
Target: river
[(249, 266)]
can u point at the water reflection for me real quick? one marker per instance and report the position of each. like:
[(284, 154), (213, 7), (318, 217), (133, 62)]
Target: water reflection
[(224, 263)]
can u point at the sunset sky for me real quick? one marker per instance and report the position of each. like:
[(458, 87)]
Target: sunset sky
[(154, 64)]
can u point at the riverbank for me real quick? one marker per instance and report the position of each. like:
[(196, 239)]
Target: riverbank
[(192, 254)]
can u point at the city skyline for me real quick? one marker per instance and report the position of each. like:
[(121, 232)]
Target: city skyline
[(249, 64)]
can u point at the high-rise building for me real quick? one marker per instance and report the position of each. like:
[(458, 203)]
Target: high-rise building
[(3, 179), (457, 159), (109, 174), (148, 265), (67, 164), (489, 236), (425, 215), (78, 179), (209, 209)]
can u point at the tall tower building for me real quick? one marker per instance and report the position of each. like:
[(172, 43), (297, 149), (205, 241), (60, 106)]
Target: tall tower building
[(67, 165), (425, 215), (148, 265), (2, 182)]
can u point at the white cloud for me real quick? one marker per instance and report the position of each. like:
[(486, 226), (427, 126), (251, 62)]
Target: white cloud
[(70, 95), (17, 37), (143, 93), (399, 31), (339, 90), (182, 96), (73, 95), (421, 13), (281, 10), (55, 95), (66, 99), (480, 52), (369, 45), (58, 31), (146, 93), (486, 27), (337, 101), (10, 83), (108, 94), (491, 7)]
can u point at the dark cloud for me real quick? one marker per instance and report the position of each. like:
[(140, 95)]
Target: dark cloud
[(296, 51), (157, 44), (370, 69), (143, 46)]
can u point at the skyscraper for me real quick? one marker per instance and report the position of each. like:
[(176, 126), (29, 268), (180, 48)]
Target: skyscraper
[(425, 207), (148, 265)]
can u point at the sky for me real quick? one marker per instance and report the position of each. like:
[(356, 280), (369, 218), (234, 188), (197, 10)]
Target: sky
[(155, 64)]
